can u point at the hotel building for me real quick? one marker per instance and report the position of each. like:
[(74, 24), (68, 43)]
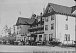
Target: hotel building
[(57, 23)]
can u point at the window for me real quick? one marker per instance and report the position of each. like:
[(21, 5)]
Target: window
[(52, 17), (66, 26), (46, 19), (42, 19), (20, 27), (17, 32), (45, 37), (51, 37), (46, 27), (40, 37), (52, 26), (17, 27), (67, 37), (50, 9)]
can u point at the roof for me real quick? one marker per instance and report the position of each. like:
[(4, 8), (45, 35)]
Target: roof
[(24, 21), (59, 9), (73, 8)]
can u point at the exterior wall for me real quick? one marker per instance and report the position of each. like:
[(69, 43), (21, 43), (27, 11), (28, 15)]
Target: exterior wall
[(60, 28), (47, 32), (75, 23), (75, 28), (37, 29), (71, 31), (21, 30), (18, 37), (50, 33), (15, 29), (47, 23), (54, 30)]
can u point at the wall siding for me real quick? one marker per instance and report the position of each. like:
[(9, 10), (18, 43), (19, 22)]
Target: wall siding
[(60, 27)]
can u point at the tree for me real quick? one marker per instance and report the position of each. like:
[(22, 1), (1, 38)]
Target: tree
[(5, 29)]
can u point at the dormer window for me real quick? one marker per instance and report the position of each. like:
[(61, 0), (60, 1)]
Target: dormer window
[(50, 9)]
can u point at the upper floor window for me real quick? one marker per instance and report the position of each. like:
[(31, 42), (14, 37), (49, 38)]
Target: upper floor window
[(66, 26), (46, 19), (52, 26), (52, 17), (40, 37), (46, 27), (67, 37), (18, 27)]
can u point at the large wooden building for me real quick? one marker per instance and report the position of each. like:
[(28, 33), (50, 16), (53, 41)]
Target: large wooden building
[(57, 23), (23, 25), (61, 23)]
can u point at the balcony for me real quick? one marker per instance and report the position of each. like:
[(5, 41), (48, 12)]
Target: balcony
[(42, 31), (37, 32), (31, 32), (41, 22), (36, 28)]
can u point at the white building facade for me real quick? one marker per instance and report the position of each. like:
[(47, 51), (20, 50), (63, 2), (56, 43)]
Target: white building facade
[(65, 28), (59, 24)]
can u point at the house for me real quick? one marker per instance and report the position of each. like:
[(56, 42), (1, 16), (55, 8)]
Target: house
[(59, 23), (37, 29), (22, 28)]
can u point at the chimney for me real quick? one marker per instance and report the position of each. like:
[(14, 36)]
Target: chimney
[(33, 16)]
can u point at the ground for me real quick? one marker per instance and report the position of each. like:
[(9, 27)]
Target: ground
[(11, 48)]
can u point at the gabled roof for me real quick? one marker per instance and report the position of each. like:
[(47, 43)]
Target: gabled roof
[(59, 9), (73, 8), (24, 21)]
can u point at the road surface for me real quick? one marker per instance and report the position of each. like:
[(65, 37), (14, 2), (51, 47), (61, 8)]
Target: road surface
[(11, 48)]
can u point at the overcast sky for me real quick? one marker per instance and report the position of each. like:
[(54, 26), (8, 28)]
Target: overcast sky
[(9, 9)]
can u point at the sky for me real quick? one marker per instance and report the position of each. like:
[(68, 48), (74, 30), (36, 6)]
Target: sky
[(10, 9)]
